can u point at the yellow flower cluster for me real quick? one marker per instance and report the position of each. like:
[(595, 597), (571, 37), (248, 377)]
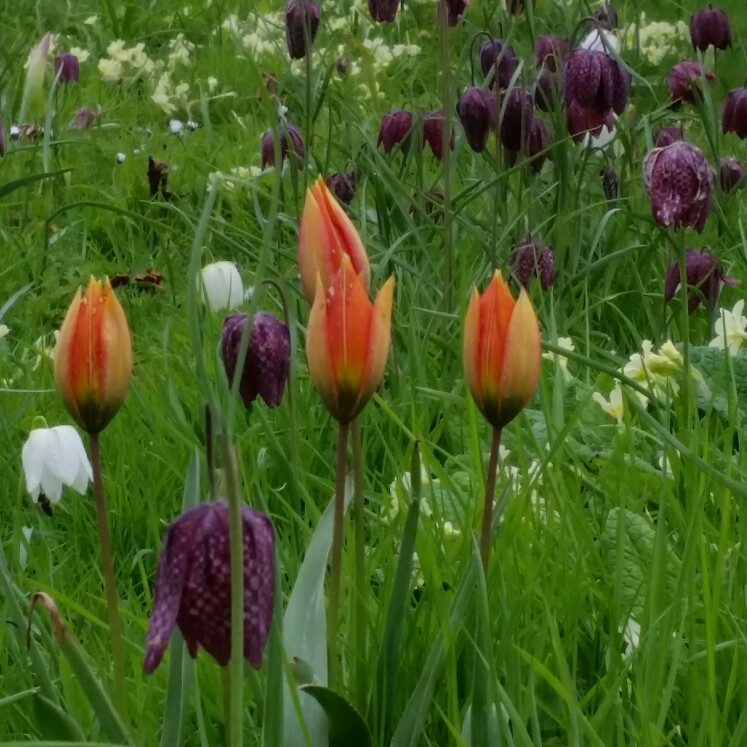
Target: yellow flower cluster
[(656, 39)]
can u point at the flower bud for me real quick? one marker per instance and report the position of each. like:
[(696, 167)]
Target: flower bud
[(734, 114), (501, 351), (704, 279), (342, 186), (221, 285), (516, 119), (499, 55), (301, 24), (66, 67), (610, 185), (683, 81), (93, 357), (679, 183), (667, 135), (193, 585), (291, 140), (731, 174), (433, 133), (395, 129), (476, 112), (710, 26), (550, 52), (531, 258), (537, 148), (267, 360), (383, 11)]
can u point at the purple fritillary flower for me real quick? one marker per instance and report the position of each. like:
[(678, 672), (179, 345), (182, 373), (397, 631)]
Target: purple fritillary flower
[(531, 258), (704, 279), (476, 111), (301, 24), (433, 133), (684, 80), (679, 183), (495, 53), (731, 173), (710, 26), (667, 135), (395, 129), (537, 147), (734, 115), (343, 185), (67, 67), (193, 585), (383, 11), (596, 82), (267, 356), (516, 119), (290, 140)]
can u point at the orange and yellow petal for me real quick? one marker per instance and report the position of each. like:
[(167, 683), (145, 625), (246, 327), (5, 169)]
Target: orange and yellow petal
[(317, 349), (471, 346), (379, 340)]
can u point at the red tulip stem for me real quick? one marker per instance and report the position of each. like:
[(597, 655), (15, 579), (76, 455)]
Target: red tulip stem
[(336, 562), (110, 587), (359, 595), (487, 509)]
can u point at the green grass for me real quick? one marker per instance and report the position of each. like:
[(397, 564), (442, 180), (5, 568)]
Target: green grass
[(592, 530)]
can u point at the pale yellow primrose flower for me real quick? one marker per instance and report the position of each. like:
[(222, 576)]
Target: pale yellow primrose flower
[(4, 329), (560, 360), (731, 329), (614, 406)]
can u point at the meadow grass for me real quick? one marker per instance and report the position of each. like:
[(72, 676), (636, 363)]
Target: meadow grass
[(614, 611)]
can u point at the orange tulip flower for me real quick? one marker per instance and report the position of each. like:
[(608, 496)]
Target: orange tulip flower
[(347, 341), (93, 357), (501, 351), (325, 236)]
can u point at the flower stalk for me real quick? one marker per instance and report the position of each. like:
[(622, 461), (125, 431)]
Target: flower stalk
[(359, 571), (336, 562), (487, 509), (110, 588)]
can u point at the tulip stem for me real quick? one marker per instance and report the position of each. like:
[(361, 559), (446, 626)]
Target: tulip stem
[(359, 596), (487, 509), (110, 588), (334, 571), (236, 665)]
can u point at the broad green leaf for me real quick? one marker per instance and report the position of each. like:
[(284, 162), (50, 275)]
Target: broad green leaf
[(346, 726), (305, 633), (53, 722)]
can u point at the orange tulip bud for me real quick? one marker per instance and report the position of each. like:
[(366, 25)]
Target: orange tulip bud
[(347, 341), (93, 357), (501, 351), (325, 236)]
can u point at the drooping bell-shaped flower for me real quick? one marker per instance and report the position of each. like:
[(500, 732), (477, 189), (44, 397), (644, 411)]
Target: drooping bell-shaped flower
[(731, 173), (193, 585), (383, 11), (538, 145), (347, 341), (221, 285), (516, 119), (532, 258), (667, 135), (291, 140), (734, 114), (395, 129), (267, 359), (595, 82), (683, 81), (501, 351), (476, 111), (454, 10), (679, 183), (301, 24), (704, 279), (66, 67), (342, 185), (325, 236), (710, 27), (434, 124), (93, 357), (495, 53)]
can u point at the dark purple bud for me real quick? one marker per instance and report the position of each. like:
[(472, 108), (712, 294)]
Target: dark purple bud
[(342, 186), (516, 119), (290, 141), (550, 52), (499, 55), (667, 135), (606, 17), (395, 129), (547, 90), (267, 356), (710, 26), (679, 183), (734, 115), (595, 82), (704, 279), (301, 24), (731, 173), (476, 111), (383, 10), (85, 117), (158, 178), (193, 585), (454, 9), (66, 67), (537, 149), (683, 81), (610, 184), (531, 258), (434, 124)]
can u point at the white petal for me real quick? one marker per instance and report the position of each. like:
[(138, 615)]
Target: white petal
[(32, 458), (76, 469)]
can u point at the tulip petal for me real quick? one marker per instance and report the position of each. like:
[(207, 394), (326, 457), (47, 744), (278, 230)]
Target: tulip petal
[(317, 356), (471, 347), (379, 340)]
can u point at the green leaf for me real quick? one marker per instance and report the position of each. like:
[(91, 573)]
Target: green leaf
[(53, 721), (8, 187), (346, 726), (305, 635)]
